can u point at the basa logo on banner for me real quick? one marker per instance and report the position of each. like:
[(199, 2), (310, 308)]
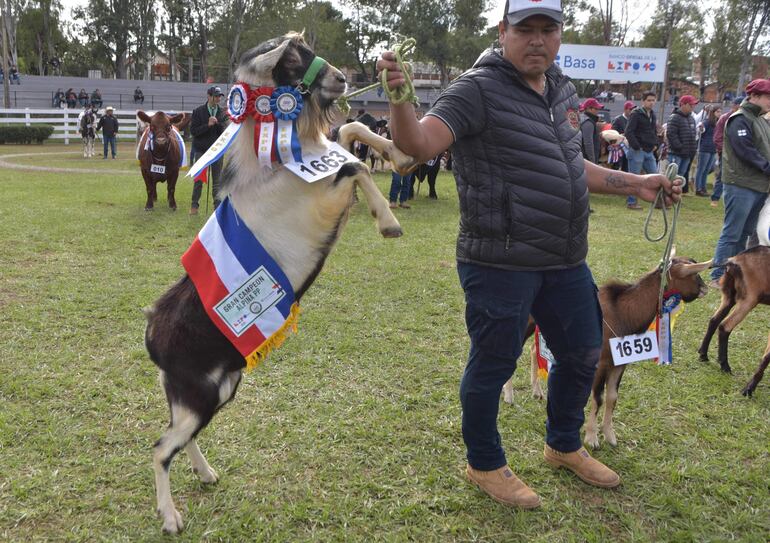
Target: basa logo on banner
[(619, 63)]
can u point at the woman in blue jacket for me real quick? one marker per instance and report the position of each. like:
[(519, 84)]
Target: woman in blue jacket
[(707, 151)]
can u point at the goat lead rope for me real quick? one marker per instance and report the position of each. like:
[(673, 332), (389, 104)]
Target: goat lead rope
[(665, 264), (400, 95)]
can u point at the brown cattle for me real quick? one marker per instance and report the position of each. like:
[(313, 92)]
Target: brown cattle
[(160, 154)]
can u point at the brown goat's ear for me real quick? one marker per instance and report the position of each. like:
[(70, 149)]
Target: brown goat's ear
[(143, 116), (692, 269)]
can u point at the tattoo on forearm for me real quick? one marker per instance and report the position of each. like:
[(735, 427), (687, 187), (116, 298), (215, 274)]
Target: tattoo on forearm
[(617, 181)]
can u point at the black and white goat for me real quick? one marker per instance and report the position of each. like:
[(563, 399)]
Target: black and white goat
[(627, 309), (745, 284), (296, 222)]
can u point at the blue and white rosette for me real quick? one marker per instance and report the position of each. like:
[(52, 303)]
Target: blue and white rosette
[(286, 103), (237, 102), (671, 305)]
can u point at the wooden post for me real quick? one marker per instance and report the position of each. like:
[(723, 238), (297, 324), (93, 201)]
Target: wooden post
[(4, 51), (26, 116), (66, 128)]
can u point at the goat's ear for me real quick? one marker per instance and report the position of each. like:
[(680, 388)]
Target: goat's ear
[(259, 70), (692, 269), (143, 116)]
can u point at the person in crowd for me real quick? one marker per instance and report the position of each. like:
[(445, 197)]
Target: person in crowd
[(399, 190), (96, 98), (83, 98), (72, 98), (745, 173), (589, 130), (207, 124), (138, 96), (523, 185), (371, 123), (59, 98), (642, 135), (707, 151), (430, 171), (680, 133), (15, 76), (109, 127), (619, 124), (719, 131)]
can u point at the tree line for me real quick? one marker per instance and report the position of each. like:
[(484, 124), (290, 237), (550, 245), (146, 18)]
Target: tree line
[(122, 37)]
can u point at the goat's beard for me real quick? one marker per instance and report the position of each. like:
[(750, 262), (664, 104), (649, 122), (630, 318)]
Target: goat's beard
[(316, 118)]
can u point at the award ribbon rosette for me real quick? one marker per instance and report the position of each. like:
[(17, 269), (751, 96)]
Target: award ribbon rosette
[(664, 325), (286, 104), (264, 127), (244, 291)]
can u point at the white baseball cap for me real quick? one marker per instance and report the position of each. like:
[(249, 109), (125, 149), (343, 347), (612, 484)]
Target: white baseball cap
[(518, 10)]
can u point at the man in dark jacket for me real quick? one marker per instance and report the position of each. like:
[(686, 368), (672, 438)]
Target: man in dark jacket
[(207, 124), (512, 122), (745, 173), (109, 126), (589, 131), (371, 123), (719, 138), (642, 136), (680, 133)]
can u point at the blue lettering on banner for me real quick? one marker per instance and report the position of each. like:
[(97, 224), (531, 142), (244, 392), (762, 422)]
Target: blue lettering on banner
[(573, 62)]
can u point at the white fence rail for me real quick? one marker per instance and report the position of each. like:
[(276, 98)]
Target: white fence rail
[(65, 122)]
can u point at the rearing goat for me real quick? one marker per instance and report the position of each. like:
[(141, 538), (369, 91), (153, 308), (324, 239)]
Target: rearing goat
[(297, 224)]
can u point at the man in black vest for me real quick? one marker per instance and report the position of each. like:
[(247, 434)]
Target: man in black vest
[(207, 124), (512, 122)]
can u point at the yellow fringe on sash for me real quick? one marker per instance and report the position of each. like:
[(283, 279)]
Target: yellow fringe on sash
[(274, 341)]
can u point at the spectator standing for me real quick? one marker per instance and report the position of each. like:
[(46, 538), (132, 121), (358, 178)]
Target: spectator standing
[(619, 125), (96, 98), (371, 123), (680, 133), (591, 142), (719, 132), (745, 173), (83, 98), (513, 125), (642, 135), (109, 126), (207, 124), (707, 151), (399, 189), (430, 170), (14, 71), (138, 96)]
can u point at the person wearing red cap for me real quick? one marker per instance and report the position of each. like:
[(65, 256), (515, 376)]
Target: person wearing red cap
[(523, 184), (682, 141), (745, 173), (589, 130)]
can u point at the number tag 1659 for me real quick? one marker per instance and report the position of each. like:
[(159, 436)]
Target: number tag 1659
[(634, 348)]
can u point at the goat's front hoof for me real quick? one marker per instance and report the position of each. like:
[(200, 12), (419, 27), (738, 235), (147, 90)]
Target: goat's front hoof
[(726, 368), (704, 357), (172, 521), (149, 208), (207, 475), (592, 440), (748, 391), (392, 232)]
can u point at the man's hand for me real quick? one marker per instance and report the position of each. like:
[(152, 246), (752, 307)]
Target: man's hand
[(212, 121), (672, 191), (388, 62)]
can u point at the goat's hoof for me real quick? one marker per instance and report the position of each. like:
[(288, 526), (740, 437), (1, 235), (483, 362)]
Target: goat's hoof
[(207, 476), (172, 522), (392, 232), (747, 392), (704, 357), (538, 394), (149, 208), (592, 441), (726, 369)]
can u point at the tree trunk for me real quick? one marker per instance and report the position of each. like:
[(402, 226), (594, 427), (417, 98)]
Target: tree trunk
[(755, 30)]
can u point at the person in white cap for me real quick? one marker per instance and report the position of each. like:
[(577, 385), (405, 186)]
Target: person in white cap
[(207, 124), (109, 126), (513, 126)]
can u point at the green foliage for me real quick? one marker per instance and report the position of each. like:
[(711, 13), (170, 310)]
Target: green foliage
[(19, 133)]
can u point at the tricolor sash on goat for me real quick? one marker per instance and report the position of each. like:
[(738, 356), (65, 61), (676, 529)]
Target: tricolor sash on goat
[(244, 291)]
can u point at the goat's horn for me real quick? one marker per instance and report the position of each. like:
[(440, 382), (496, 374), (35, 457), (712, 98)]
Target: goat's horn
[(692, 269)]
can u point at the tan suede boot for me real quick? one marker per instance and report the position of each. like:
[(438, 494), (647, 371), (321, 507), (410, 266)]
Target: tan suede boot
[(584, 466), (503, 486)]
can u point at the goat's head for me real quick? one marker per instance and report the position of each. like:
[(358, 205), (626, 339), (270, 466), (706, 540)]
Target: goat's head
[(684, 278), (284, 61), (160, 125)]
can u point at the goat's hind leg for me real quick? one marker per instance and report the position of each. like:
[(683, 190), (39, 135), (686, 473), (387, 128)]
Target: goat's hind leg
[(742, 308), (726, 305), (611, 400), (757, 377)]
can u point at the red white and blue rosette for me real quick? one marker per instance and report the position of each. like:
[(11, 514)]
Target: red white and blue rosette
[(264, 125), (286, 104), (238, 102)]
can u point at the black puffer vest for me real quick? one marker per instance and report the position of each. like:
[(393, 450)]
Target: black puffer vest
[(522, 181)]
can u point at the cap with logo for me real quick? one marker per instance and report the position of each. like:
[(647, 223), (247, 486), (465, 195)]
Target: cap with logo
[(591, 103), (215, 91), (629, 105), (758, 86), (518, 10), (688, 100)]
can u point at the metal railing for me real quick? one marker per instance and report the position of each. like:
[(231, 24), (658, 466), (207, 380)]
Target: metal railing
[(20, 98)]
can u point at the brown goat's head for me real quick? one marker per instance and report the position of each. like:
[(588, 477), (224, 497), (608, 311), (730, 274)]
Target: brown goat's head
[(160, 125), (283, 61), (683, 278)]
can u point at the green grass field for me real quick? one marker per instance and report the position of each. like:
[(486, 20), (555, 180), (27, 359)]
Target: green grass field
[(351, 431)]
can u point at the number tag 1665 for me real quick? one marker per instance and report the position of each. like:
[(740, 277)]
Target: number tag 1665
[(634, 348)]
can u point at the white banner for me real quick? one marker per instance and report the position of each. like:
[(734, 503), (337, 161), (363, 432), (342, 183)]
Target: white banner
[(613, 63)]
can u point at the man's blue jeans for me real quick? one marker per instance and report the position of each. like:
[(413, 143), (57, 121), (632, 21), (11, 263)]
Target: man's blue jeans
[(683, 163), (639, 160), (705, 163), (109, 140), (742, 207), (718, 187), (498, 303), (399, 187)]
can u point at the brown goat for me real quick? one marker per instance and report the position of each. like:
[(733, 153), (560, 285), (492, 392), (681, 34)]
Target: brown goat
[(627, 309), (745, 284)]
